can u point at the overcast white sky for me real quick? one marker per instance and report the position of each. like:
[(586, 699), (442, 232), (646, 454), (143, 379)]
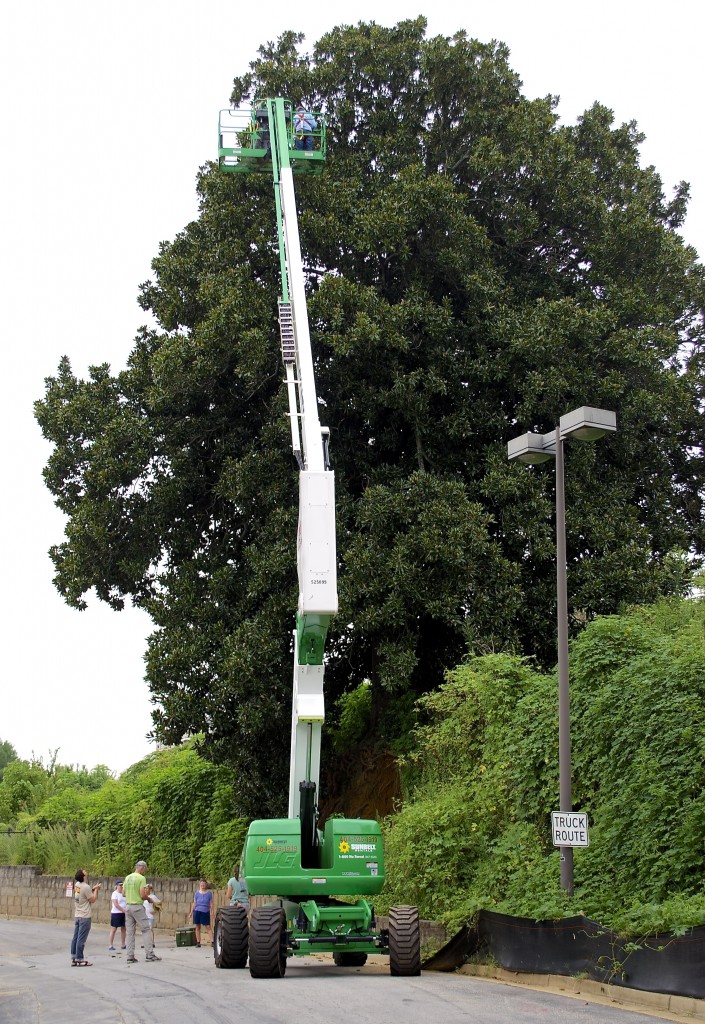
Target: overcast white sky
[(108, 110)]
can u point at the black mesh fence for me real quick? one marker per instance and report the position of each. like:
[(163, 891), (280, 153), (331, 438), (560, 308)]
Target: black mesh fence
[(674, 964)]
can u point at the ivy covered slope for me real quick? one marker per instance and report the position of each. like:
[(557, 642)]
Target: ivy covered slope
[(474, 270), (475, 830)]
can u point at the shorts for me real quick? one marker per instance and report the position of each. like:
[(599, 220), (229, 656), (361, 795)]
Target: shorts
[(202, 917), (117, 920)]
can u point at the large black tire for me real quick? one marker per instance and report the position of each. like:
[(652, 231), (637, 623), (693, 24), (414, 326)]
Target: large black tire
[(230, 937), (267, 943), (350, 959), (404, 942)]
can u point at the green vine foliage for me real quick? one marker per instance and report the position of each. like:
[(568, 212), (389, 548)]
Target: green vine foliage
[(354, 713), (221, 853), (173, 809), (483, 779)]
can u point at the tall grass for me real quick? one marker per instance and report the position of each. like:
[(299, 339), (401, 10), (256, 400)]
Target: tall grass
[(56, 849)]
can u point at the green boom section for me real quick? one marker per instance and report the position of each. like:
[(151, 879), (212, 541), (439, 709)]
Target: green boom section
[(351, 859), (311, 633)]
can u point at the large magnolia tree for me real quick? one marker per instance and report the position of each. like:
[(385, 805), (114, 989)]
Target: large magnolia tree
[(474, 270)]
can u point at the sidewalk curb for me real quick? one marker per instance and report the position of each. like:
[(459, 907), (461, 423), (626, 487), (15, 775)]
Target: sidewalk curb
[(656, 1003)]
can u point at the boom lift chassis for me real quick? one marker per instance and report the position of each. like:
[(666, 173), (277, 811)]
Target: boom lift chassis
[(291, 857)]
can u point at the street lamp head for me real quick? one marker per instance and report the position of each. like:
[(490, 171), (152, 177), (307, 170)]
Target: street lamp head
[(587, 424), (531, 449)]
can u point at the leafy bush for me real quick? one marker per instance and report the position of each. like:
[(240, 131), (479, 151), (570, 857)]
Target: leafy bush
[(354, 716), (221, 853), (162, 810)]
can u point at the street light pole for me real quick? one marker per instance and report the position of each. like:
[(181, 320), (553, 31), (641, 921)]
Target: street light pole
[(584, 424), (565, 770)]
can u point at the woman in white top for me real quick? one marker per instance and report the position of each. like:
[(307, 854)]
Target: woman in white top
[(117, 916)]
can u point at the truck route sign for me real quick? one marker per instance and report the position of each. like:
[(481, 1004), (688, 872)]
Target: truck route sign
[(570, 828)]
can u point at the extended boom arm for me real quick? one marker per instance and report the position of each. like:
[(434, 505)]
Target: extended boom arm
[(316, 553)]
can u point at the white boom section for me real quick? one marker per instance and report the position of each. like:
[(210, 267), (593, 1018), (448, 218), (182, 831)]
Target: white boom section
[(288, 342), (316, 551), (308, 402)]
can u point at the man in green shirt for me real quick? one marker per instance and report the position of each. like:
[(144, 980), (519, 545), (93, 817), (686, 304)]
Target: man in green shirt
[(136, 891)]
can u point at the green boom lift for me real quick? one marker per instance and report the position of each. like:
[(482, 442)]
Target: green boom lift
[(298, 866)]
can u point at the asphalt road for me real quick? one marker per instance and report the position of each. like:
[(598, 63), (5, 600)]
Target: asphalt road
[(38, 985)]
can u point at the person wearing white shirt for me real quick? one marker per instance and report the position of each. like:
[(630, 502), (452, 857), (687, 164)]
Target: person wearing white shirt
[(117, 916)]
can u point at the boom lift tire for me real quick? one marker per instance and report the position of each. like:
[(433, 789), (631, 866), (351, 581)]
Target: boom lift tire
[(350, 959), (404, 942), (230, 937), (267, 938)]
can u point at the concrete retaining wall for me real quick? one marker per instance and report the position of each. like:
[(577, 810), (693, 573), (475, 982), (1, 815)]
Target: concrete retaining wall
[(26, 892)]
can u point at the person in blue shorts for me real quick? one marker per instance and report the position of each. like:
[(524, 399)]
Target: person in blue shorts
[(117, 916), (201, 908)]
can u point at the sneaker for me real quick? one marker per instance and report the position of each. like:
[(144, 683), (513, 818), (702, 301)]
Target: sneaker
[(111, 949), (131, 960), (152, 956), (123, 947)]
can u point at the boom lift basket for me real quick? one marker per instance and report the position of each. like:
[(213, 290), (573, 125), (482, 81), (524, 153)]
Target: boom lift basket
[(244, 134)]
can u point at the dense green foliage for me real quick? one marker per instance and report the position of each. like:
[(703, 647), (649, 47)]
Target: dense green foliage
[(7, 754), (173, 809), (475, 830), (474, 270), (28, 785)]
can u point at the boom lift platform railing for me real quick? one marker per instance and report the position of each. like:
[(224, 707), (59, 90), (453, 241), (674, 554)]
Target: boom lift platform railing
[(244, 140)]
